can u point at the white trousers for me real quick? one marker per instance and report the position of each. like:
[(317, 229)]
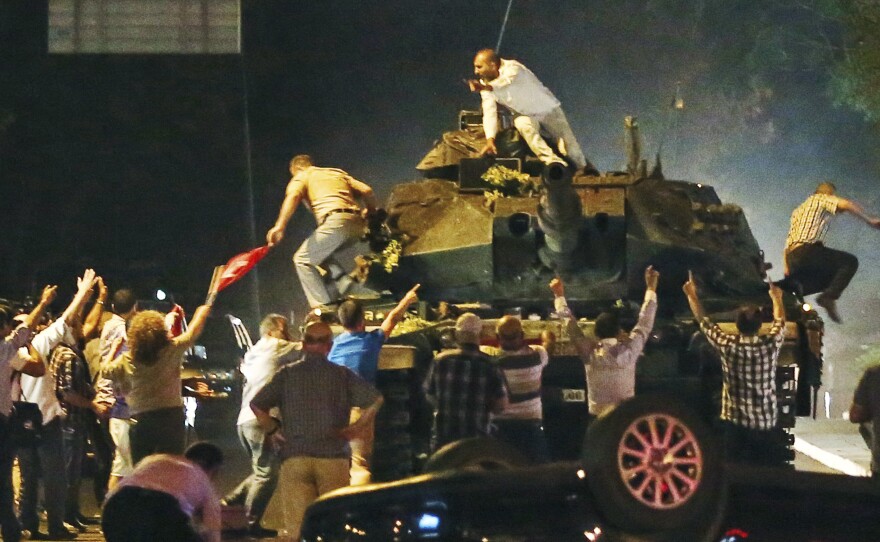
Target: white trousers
[(555, 124)]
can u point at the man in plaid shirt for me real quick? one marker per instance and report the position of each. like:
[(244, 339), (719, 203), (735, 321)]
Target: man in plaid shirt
[(465, 387), (748, 361), (815, 267)]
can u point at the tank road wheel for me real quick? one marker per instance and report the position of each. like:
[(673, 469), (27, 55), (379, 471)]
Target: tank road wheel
[(481, 453), (652, 464)]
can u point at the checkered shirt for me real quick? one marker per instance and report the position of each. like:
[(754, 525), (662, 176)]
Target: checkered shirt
[(748, 398), (464, 385), (72, 375), (809, 222), (315, 397)]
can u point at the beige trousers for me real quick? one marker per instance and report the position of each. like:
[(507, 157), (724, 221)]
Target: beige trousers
[(304, 479), (556, 124)]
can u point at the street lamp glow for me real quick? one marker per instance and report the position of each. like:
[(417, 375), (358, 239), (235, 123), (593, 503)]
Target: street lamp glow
[(161, 295)]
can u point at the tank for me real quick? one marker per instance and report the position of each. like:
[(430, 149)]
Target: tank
[(487, 234)]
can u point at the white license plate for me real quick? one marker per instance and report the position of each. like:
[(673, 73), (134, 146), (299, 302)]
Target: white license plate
[(574, 396)]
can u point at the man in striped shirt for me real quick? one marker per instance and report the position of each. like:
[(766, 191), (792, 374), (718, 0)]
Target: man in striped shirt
[(748, 362), (521, 423), (815, 267), (315, 397)]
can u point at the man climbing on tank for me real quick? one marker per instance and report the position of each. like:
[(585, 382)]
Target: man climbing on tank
[(812, 267), (534, 107), (331, 195)]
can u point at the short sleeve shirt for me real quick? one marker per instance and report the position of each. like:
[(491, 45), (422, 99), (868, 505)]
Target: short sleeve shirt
[(359, 351), (809, 222), (325, 190)]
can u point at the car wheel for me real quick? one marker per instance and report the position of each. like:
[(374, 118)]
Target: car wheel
[(476, 453), (652, 464)]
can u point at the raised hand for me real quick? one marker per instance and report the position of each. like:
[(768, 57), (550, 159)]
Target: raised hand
[(48, 295), (690, 287), (411, 297), (557, 287), (87, 281), (652, 277)]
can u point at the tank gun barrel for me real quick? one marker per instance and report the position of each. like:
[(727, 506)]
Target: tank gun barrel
[(559, 217)]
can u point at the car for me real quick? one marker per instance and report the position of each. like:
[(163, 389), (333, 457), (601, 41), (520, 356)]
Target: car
[(651, 471)]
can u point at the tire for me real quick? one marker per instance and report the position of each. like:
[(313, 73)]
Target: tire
[(652, 464), (481, 453)]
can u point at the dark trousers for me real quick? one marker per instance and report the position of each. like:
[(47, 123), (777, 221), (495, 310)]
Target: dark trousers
[(74, 448), (9, 526), (526, 435), (102, 443), (159, 431), (46, 459), (752, 446), (821, 269), (135, 514)]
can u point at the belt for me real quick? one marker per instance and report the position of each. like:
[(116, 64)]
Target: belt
[(346, 211)]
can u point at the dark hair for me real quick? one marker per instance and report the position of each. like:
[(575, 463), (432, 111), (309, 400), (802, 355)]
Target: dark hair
[(301, 160), (123, 301), (205, 454), (748, 320), (607, 325), (350, 313)]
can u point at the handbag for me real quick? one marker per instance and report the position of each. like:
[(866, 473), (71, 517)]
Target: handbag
[(25, 423)]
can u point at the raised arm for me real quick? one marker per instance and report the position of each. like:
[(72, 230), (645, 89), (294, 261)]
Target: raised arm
[(852, 207), (397, 312), (690, 290), (292, 197), (583, 344), (778, 306), (46, 299), (84, 286), (196, 326), (639, 333), (93, 319)]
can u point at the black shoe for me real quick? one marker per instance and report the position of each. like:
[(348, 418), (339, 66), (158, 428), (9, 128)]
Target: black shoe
[(34, 535), (59, 535), (76, 524), (85, 520), (830, 306), (256, 531)]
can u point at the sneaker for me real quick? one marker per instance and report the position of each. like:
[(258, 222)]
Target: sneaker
[(830, 306)]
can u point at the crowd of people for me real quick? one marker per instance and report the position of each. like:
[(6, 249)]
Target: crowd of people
[(112, 375)]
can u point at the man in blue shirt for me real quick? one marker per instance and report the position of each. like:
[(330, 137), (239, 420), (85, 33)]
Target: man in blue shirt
[(358, 349)]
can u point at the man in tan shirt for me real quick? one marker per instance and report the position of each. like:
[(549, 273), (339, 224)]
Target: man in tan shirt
[(331, 194)]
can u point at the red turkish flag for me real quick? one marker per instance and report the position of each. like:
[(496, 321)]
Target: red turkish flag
[(238, 267)]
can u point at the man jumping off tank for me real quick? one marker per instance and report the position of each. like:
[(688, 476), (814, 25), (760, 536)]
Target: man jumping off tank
[(331, 195), (808, 262), (509, 83)]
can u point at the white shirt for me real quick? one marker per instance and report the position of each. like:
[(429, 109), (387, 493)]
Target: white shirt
[(185, 481), (262, 361), (611, 365), (518, 89), (11, 360), (41, 389)]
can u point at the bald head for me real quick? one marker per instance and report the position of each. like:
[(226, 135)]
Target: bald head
[(318, 338), (486, 64)]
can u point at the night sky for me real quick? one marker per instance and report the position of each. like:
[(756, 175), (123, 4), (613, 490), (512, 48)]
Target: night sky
[(137, 165)]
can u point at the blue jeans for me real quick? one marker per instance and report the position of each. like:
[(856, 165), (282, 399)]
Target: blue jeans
[(46, 458), (256, 490)]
